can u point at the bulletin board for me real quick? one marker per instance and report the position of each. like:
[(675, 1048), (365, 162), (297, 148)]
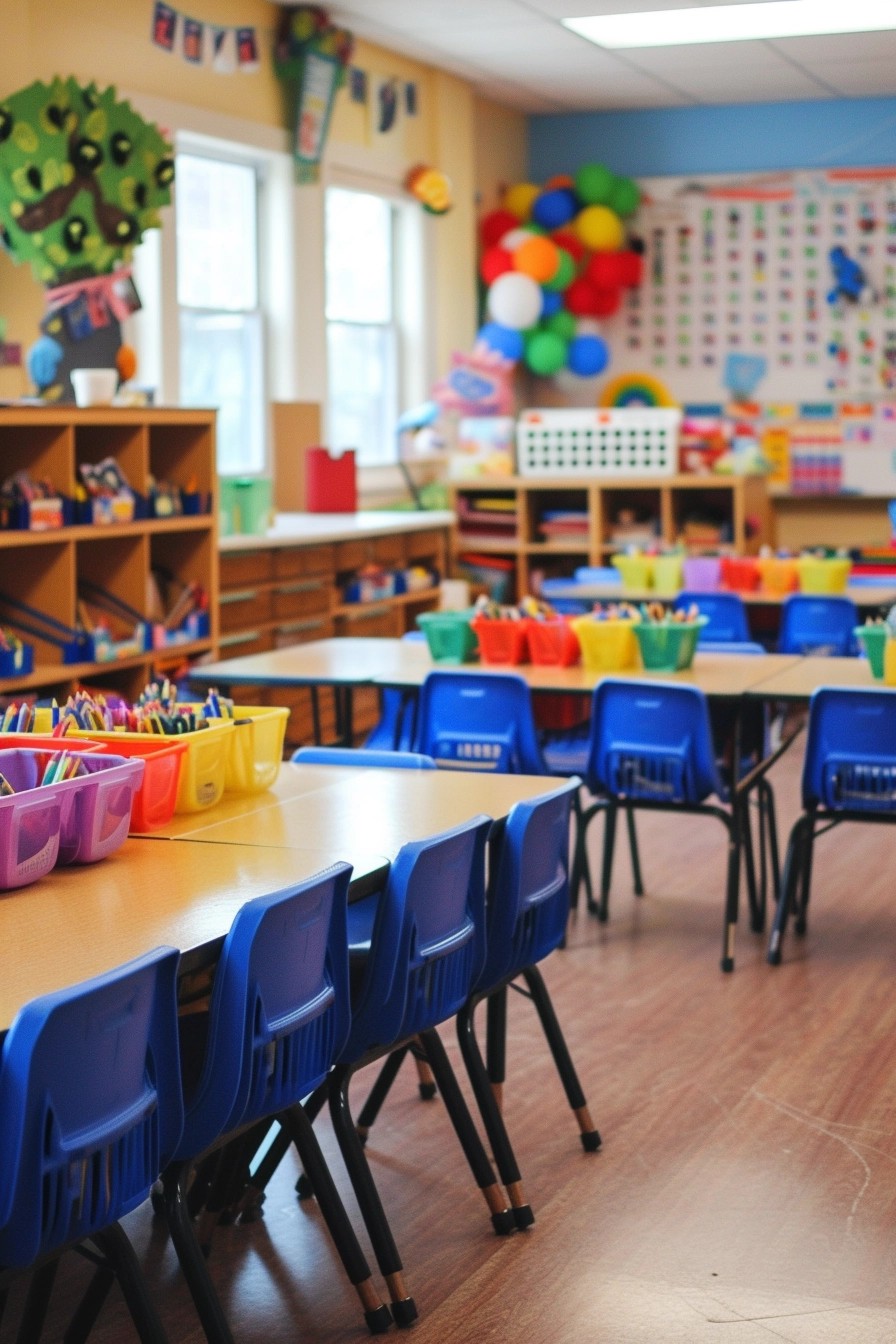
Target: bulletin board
[(743, 267)]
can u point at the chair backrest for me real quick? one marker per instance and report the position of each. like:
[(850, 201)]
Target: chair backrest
[(850, 760), (393, 760), (822, 624), (90, 1105), (279, 1009), (426, 944), (748, 646), (726, 615), (527, 901), (652, 740), (479, 721)]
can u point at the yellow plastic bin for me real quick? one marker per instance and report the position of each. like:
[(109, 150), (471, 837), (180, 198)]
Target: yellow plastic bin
[(668, 573), (255, 747), (607, 646), (204, 765), (823, 574), (636, 571)]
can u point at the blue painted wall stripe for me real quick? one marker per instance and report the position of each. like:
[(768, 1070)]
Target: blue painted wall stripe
[(751, 137)]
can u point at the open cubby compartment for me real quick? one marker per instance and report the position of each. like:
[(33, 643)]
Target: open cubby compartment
[(111, 588), (703, 517), (125, 442), (176, 560), (631, 517), (42, 577), (558, 518), (179, 454), (44, 451)]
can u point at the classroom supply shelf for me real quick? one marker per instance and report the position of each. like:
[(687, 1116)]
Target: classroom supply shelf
[(564, 522), (60, 574)]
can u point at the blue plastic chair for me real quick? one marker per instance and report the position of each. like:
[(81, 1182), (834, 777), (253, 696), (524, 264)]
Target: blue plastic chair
[(90, 1110), (278, 1016), (479, 721), (484, 721), (818, 625), (849, 774), (652, 747), (394, 731), (425, 953), (392, 760), (726, 615), (527, 904)]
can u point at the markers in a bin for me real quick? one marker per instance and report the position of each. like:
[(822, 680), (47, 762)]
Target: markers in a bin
[(5, 787)]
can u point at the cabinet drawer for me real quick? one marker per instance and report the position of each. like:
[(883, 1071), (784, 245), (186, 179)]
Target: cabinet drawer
[(370, 620), (423, 545), (240, 567), (247, 641), (244, 607), (351, 555), (305, 597), (301, 632), (292, 562)]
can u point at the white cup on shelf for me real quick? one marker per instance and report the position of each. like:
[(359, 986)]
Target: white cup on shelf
[(94, 387)]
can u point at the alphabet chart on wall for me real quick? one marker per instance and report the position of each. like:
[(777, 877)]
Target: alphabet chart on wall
[(797, 269)]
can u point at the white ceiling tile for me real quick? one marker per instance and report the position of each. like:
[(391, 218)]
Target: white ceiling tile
[(870, 79), (715, 86), (844, 47)]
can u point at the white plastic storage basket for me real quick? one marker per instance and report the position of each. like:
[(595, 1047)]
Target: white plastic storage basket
[(636, 441)]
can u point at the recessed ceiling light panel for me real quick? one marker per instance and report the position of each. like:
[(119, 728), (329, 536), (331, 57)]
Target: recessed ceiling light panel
[(736, 23)]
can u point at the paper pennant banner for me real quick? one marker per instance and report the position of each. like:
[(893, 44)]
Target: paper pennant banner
[(228, 49)]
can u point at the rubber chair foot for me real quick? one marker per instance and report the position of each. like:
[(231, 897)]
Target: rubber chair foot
[(727, 963), (757, 925), (404, 1313), (252, 1213), (590, 1141), (157, 1200), (379, 1320), (523, 1217), (504, 1223), (304, 1188), (427, 1091), (774, 958), (799, 927)]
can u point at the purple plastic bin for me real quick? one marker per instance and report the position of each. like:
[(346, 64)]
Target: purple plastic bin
[(701, 573), (78, 820)]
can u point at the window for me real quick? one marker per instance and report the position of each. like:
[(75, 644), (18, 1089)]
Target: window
[(368, 244), (220, 327)]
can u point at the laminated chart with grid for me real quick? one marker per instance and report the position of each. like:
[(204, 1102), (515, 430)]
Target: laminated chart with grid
[(620, 442)]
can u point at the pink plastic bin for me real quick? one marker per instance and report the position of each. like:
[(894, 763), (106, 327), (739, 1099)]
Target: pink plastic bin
[(701, 573), (78, 820)]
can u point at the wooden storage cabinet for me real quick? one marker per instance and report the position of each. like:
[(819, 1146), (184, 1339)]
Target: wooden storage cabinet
[(547, 527), (274, 594), (44, 568)]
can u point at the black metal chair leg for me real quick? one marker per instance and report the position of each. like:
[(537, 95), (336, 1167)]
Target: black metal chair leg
[(503, 1220), (732, 888), (296, 1122), (91, 1304), (404, 1309), (502, 1149), (802, 908), (37, 1299), (192, 1261), (772, 828), (749, 857), (496, 1041), (562, 1059), (380, 1090), (790, 880), (606, 874), (118, 1250), (633, 849)]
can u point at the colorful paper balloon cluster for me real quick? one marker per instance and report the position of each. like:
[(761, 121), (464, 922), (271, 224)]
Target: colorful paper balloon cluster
[(555, 259), (308, 27)]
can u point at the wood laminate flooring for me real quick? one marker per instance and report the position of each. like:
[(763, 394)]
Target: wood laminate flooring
[(746, 1189)]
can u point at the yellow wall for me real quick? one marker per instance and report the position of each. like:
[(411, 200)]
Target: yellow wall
[(108, 41)]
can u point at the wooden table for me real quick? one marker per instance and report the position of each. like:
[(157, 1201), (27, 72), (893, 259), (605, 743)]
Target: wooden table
[(171, 887), (351, 809), (341, 664), (806, 675)]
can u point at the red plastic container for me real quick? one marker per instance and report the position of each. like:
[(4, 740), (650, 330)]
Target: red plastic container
[(501, 641), (330, 483), (553, 643), (740, 573)]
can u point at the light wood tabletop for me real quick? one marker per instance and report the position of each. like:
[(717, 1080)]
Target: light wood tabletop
[(79, 921), (346, 661), (347, 809), (808, 674)]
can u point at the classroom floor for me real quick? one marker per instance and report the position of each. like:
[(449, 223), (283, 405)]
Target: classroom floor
[(746, 1189)]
